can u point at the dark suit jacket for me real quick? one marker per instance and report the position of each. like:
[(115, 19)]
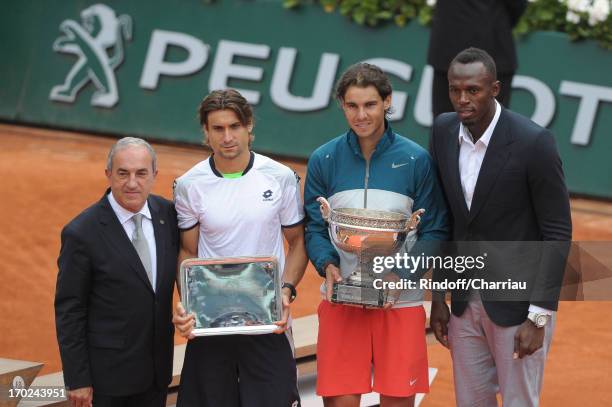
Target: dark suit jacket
[(486, 24), (520, 196), (114, 332)]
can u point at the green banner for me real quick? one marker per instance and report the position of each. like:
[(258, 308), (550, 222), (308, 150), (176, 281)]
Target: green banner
[(141, 68)]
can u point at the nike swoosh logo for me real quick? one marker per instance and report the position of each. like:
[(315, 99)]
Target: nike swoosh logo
[(394, 165), (412, 382)]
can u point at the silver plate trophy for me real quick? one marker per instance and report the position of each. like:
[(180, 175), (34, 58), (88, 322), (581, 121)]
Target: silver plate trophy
[(238, 295), (367, 233)]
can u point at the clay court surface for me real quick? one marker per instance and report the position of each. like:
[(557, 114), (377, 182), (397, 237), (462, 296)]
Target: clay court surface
[(48, 177)]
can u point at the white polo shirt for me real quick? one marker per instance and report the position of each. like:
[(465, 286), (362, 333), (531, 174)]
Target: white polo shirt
[(240, 216)]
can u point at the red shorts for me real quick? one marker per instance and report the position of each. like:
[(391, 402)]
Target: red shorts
[(354, 342)]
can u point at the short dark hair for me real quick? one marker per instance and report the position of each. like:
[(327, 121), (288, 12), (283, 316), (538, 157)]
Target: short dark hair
[(363, 75), (471, 55), (229, 99)]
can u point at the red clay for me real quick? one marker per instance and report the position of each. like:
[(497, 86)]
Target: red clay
[(49, 177)]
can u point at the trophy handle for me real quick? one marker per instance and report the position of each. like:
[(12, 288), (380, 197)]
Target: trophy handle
[(325, 208), (415, 219)]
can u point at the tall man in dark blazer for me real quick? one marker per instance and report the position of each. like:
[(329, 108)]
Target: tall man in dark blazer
[(504, 184), (460, 24), (113, 301)]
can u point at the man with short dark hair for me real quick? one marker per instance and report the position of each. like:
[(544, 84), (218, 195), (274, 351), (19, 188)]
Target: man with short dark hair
[(503, 181), (239, 203), (113, 302), (369, 166)]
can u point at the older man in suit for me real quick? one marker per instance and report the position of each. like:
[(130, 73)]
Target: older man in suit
[(503, 180), (113, 302)]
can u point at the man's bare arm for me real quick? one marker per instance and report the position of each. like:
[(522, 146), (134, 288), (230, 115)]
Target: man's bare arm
[(295, 265), (183, 322), (189, 247)]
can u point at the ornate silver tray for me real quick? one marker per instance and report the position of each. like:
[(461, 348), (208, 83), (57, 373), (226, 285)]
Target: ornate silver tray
[(237, 295)]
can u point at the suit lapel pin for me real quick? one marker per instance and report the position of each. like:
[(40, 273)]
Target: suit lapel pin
[(161, 221)]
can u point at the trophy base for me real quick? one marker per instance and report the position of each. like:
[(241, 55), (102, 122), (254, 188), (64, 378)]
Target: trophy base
[(367, 296)]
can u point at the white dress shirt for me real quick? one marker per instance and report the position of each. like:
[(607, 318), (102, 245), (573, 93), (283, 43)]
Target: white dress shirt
[(471, 156), (125, 218)]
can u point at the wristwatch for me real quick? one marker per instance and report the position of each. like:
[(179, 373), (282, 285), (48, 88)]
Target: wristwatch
[(539, 320), (291, 288)]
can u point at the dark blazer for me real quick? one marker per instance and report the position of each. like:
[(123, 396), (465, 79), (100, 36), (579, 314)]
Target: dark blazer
[(520, 196), (486, 24), (114, 332)]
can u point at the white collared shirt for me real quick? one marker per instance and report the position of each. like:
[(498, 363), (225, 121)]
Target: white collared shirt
[(125, 218), (471, 156)]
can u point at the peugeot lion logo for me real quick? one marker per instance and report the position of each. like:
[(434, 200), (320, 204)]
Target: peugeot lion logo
[(101, 29)]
